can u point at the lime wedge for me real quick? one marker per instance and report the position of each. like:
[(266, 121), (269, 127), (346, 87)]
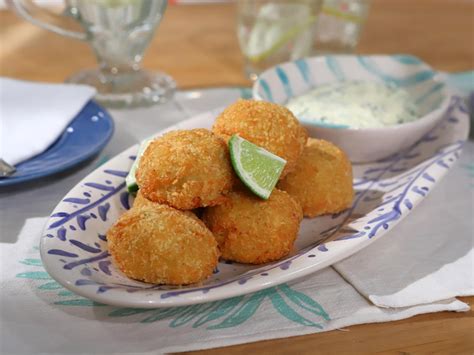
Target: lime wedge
[(256, 167), (131, 180)]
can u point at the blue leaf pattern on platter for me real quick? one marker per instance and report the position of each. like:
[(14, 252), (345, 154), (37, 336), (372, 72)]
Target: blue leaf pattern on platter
[(291, 304), (385, 191)]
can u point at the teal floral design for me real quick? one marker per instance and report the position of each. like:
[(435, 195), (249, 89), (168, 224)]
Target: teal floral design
[(232, 312), (235, 311), (47, 284)]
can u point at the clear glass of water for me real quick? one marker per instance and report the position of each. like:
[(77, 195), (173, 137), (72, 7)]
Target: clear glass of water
[(339, 26), (118, 31), (274, 31)]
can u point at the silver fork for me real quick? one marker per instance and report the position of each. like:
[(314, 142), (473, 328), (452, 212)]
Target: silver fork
[(6, 169)]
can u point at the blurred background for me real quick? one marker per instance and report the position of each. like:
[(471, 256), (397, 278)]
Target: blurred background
[(197, 41)]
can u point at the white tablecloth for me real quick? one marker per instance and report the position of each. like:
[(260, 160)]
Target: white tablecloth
[(38, 315)]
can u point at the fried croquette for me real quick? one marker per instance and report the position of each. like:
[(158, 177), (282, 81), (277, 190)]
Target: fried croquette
[(322, 181), (268, 125), (186, 170), (141, 201), (159, 244), (255, 231)]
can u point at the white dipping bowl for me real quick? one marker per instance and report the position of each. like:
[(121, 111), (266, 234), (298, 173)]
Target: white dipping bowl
[(284, 81)]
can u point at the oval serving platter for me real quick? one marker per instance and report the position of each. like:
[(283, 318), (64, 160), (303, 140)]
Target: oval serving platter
[(74, 247)]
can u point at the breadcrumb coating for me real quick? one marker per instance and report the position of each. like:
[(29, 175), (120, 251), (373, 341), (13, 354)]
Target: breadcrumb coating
[(141, 201), (322, 181), (255, 231), (186, 169), (161, 245), (268, 125)]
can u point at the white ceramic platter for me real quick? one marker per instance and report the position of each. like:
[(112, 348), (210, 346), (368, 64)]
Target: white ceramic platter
[(74, 248)]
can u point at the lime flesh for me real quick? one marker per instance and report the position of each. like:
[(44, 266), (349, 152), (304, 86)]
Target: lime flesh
[(256, 167)]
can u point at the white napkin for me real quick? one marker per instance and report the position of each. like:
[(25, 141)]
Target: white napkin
[(33, 115), (33, 305), (432, 250)]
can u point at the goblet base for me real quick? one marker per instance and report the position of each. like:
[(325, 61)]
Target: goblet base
[(125, 90)]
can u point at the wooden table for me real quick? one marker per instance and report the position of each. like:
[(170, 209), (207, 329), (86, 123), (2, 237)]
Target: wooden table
[(196, 44)]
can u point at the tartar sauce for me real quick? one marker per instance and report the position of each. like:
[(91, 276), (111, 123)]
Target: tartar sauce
[(355, 104)]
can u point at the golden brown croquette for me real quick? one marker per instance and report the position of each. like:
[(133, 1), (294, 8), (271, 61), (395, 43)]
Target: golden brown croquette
[(268, 125), (186, 169), (322, 181), (255, 231), (161, 245)]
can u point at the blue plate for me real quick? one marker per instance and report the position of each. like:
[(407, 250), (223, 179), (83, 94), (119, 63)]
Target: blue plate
[(86, 135)]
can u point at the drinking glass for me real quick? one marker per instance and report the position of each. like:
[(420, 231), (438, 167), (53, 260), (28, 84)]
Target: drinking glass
[(339, 25), (275, 31), (119, 31)]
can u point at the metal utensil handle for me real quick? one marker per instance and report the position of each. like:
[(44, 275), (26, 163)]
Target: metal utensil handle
[(6, 169), (24, 11)]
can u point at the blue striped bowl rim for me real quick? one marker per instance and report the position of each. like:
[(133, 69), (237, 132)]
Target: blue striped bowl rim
[(284, 81)]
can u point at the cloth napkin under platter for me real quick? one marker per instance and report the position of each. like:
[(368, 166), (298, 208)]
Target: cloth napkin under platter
[(33, 115), (419, 267)]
